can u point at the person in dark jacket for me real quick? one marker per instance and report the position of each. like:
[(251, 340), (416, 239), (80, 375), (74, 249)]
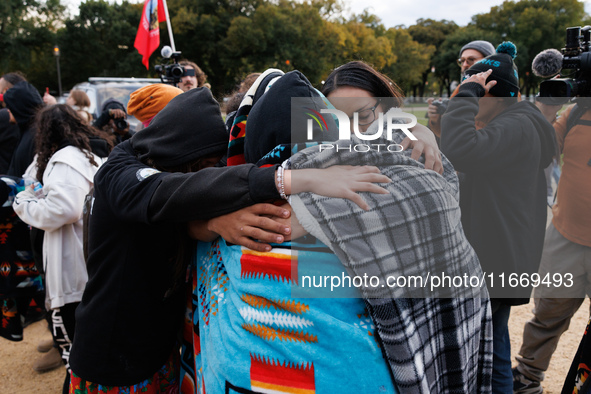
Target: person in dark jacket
[(9, 138), (133, 305), (23, 101), (113, 120), (500, 146)]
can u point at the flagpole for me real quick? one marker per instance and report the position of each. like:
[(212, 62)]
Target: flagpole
[(169, 26)]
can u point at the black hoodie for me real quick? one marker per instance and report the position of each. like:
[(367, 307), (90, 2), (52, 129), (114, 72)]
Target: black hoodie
[(502, 184), (23, 101), (9, 138), (127, 321)]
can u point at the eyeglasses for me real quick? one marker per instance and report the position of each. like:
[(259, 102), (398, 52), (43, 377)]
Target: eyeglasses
[(368, 115), (469, 60)]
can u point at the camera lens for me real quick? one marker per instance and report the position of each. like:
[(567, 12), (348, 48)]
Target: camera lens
[(177, 71), (121, 124)]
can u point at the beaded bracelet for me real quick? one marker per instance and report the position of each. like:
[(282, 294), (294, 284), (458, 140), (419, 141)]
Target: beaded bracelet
[(281, 181)]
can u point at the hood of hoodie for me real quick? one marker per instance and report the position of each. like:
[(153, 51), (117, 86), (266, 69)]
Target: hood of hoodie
[(23, 101), (188, 128), (99, 147), (275, 119), (549, 147)]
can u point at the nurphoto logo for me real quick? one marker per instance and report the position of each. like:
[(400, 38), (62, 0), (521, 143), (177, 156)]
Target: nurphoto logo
[(396, 119)]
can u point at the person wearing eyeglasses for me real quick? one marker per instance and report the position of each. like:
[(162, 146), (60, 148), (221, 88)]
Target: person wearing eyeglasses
[(470, 53)]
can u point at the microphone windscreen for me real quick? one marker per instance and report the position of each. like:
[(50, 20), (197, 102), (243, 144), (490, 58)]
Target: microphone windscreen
[(166, 52), (547, 63)]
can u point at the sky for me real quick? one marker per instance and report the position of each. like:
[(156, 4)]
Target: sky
[(404, 12)]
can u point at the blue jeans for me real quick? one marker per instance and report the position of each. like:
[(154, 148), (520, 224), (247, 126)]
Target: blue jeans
[(502, 378)]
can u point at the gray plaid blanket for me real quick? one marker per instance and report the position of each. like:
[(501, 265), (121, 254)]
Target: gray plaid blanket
[(435, 340)]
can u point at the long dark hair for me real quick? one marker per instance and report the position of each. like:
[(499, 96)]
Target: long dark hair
[(361, 75), (59, 126)]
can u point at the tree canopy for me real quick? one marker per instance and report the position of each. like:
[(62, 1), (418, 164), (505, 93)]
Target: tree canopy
[(230, 38)]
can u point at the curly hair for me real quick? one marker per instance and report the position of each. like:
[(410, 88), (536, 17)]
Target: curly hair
[(59, 126)]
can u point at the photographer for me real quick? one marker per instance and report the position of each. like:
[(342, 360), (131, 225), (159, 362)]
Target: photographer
[(469, 54), (567, 246), (500, 145), (113, 120), (193, 77)]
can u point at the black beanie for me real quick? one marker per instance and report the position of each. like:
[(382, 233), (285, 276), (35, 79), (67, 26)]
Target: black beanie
[(114, 104), (188, 128), (504, 70), (270, 120), (23, 101)]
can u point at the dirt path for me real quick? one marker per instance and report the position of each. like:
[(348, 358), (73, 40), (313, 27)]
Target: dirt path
[(18, 377), (16, 359), (567, 347)]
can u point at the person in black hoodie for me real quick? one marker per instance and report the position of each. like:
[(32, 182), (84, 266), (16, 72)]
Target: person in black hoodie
[(133, 305), (500, 146), (113, 120), (23, 101), (9, 137)]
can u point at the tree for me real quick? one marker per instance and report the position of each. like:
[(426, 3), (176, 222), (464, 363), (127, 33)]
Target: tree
[(103, 32), (412, 58), (533, 26), (200, 28), (365, 40), (430, 32), (287, 36), (27, 35)]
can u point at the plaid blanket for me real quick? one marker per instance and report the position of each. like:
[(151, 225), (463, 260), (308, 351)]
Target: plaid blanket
[(434, 341)]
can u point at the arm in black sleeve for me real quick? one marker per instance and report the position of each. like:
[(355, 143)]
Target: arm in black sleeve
[(494, 146), (211, 192), (4, 191), (138, 193), (102, 120)]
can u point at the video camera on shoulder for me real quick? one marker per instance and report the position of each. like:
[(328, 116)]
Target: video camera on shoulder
[(171, 73), (576, 55)]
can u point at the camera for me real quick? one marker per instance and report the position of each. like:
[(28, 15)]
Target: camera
[(441, 105), (576, 55), (121, 123), (170, 73)]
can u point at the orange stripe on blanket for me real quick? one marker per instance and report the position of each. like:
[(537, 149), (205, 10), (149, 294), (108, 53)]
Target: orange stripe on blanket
[(270, 334), (282, 377), (276, 266), (265, 303), (266, 388)]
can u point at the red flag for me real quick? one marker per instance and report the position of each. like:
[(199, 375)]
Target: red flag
[(148, 33)]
